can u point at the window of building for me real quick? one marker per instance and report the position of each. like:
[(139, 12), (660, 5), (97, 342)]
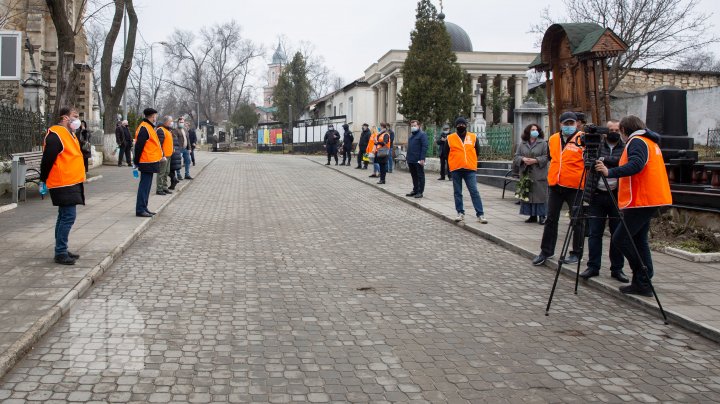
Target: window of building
[(350, 110), (10, 55), (341, 108)]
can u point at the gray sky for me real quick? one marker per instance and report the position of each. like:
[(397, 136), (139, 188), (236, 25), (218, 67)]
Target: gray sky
[(352, 34)]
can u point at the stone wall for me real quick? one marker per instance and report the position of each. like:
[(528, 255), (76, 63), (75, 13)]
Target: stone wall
[(9, 91), (642, 81), (703, 108)]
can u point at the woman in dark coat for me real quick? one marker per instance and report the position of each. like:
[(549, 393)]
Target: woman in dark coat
[(532, 159), (83, 136), (176, 159)]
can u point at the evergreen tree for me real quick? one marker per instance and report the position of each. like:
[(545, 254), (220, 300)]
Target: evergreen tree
[(293, 88), (435, 88)]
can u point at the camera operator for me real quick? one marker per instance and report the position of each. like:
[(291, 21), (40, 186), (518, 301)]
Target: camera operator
[(564, 180), (643, 186), (602, 208)]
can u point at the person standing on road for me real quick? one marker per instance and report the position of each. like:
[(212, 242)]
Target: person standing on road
[(148, 155), (124, 140), (462, 159), (165, 136), (83, 136), (348, 140), (382, 153), (331, 140), (184, 149), (532, 159), (175, 159), (391, 144), (362, 146), (192, 137), (62, 171), (417, 148), (564, 181), (443, 152), (643, 187)]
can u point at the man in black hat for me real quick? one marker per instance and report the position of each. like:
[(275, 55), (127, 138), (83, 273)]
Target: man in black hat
[(348, 140), (331, 140), (565, 176), (148, 155), (443, 152), (362, 146)]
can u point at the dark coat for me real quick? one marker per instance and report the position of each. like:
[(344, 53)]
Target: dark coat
[(364, 140), (331, 140), (538, 172), (443, 149), (348, 140), (176, 159), (417, 147), (119, 135), (83, 136), (192, 136)]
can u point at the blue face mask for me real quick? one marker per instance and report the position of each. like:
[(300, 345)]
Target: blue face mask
[(569, 130), (534, 133)]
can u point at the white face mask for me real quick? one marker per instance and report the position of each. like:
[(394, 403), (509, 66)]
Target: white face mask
[(75, 124)]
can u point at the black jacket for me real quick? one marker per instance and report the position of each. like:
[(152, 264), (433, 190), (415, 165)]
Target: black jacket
[(637, 153), (65, 196), (348, 140), (142, 138), (192, 136), (364, 140), (83, 136), (176, 159), (443, 148), (332, 137)]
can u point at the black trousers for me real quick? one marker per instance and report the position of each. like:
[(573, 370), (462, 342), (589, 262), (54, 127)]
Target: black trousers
[(192, 154), (638, 222), (417, 172), (444, 168), (347, 153), (124, 149), (383, 167), (332, 152), (558, 195), (360, 159)]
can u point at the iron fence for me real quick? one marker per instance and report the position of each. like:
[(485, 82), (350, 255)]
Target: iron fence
[(497, 143), (20, 131), (712, 147)]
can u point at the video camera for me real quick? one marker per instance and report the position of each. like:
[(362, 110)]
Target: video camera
[(591, 140)]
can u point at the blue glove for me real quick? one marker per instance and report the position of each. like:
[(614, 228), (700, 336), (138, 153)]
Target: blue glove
[(43, 189)]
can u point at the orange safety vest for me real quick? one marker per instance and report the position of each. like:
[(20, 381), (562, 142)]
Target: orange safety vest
[(650, 187), (382, 137), (152, 152), (371, 143), (167, 145), (69, 168), (462, 155), (566, 165)]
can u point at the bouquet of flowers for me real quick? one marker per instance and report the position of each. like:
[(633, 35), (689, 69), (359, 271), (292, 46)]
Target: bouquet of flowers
[(523, 188)]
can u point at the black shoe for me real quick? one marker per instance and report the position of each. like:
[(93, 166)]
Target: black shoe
[(327, 164), (542, 220), (187, 177), (64, 260), (342, 164), (571, 259), (179, 178), (411, 194), (172, 186), (441, 179), (143, 214), (129, 165), (73, 256), (152, 213), (531, 219), (589, 273), (167, 191), (161, 193), (373, 176), (418, 196), (620, 276), (358, 168), (193, 164), (336, 163), (381, 182), (539, 260), (636, 290), (348, 164), (390, 171)]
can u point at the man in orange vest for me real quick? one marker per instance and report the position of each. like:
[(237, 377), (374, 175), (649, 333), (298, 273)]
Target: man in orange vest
[(62, 171), (463, 153), (643, 187), (165, 136), (148, 155), (565, 176)]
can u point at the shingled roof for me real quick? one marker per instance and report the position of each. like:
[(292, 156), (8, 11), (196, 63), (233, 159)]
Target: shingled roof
[(585, 39)]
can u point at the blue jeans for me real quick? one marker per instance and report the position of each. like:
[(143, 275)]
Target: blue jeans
[(65, 220), (390, 163), (600, 209), (470, 178), (376, 168), (186, 160), (143, 194)]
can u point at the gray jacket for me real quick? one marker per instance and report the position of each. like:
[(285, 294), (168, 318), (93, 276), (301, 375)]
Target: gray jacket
[(538, 172)]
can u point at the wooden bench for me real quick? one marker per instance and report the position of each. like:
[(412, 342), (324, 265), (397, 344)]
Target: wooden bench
[(221, 147), (25, 169), (507, 179)]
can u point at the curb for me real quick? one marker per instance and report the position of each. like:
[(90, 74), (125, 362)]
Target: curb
[(9, 206), (25, 343), (678, 319)]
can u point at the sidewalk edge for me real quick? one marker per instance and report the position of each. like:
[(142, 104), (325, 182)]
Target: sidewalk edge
[(25, 343), (681, 320)]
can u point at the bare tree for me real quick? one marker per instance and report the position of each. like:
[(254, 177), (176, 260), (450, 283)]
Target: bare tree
[(188, 60), (95, 37), (656, 31), (10, 9), (322, 80), (700, 62), (113, 94)]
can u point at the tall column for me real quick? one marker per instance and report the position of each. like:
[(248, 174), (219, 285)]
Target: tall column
[(518, 92), (376, 104), (382, 106), (392, 101), (525, 86), (490, 84), (473, 89), (398, 116), (504, 90)]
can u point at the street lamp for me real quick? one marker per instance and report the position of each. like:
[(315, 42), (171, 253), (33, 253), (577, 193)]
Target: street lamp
[(152, 69)]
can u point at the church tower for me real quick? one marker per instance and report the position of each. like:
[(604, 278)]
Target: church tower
[(274, 69)]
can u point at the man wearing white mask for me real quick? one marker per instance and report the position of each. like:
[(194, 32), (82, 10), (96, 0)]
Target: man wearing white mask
[(417, 147)]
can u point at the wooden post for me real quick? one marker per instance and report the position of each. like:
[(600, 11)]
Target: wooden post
[(591, 91), (606, 89), (548, 92)]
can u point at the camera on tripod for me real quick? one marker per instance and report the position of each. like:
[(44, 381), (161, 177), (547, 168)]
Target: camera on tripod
[(591, 140)]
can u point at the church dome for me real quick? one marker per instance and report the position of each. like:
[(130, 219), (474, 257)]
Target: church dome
[(279, 56), (458, 37)]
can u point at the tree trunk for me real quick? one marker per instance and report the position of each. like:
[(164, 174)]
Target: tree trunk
[(112, 95), (67, 72)]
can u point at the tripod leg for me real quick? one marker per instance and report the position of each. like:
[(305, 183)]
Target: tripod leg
[(563, 254), (580, 254)]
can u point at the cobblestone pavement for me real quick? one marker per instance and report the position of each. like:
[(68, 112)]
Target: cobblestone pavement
[(276, 280)]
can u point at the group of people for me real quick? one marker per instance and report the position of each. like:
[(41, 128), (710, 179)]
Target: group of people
[(632, 164)]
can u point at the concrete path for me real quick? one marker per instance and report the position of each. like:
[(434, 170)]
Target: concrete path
[(273, 279), (34, 291), (689, 292)]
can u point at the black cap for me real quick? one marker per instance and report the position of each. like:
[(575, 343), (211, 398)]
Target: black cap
[(345, 126), (580, 116), (149, 111), (568, 116), (460, 121)]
